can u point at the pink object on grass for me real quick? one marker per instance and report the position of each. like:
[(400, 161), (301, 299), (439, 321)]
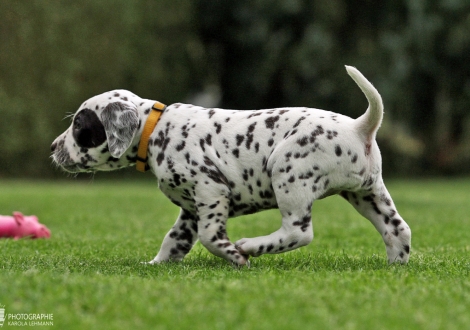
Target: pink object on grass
[(19, 225)]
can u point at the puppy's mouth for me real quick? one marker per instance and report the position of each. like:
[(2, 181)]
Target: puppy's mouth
[(77, 168), (63, 160)]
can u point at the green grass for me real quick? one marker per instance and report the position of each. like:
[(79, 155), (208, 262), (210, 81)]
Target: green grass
[(89, 274)]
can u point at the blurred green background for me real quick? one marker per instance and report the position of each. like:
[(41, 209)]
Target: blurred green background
[(243, 54)]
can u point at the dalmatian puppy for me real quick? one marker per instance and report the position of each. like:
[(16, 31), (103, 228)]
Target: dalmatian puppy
[(216, 164)]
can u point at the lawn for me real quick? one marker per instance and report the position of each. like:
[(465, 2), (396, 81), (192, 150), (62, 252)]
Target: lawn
[(89, 274)]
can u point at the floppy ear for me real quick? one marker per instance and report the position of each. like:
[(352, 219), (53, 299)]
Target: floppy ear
[(120, 123)]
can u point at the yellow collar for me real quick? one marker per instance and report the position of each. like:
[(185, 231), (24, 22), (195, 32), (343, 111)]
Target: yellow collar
[(150, 124)]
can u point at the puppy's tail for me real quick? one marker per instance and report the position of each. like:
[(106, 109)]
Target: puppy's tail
[(370, 121)]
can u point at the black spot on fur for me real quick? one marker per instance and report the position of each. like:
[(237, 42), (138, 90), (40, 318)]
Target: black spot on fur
[(249, 135), (271, 121), (318, 178), (298, 122), (239, 139), (209, 139), (305, 176), (251, 128), (255, 114), (396, 222), (407, 248), (160, 158), (303, 141), (331, 134), (214, 174), (303, 223), (338, 150), (176, 179), (386, 219), (266, 194), (208, 162), (181, 146), (245, 175), (316, 132)]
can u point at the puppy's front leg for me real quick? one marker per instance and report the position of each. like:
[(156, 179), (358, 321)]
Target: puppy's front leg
[(212, 231), (179, 240)]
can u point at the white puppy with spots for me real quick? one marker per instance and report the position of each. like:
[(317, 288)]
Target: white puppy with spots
[(216, 164)]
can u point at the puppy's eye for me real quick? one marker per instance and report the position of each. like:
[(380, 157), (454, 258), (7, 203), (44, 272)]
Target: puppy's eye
[(76, 124)]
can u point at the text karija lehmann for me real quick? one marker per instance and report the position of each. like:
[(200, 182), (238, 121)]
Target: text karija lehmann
[(22, 319)]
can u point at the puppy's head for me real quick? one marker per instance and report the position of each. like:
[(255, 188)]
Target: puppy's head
[(102, 136)]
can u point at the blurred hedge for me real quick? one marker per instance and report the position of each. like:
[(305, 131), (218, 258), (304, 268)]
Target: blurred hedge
[(259, 54)]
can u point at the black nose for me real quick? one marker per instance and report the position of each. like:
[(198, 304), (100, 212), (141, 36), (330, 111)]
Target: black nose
[(53, 146)]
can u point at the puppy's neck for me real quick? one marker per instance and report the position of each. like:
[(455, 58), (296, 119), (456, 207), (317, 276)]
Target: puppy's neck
[(144, 108), (148, 128)]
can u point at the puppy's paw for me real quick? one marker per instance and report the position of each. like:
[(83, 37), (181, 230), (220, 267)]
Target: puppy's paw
[(244, 263), (250, 247), (159, 260), (151, 262)]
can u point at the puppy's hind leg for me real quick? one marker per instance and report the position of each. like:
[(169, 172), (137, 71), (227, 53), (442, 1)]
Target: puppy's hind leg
[(376, 205), (295, 205)]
